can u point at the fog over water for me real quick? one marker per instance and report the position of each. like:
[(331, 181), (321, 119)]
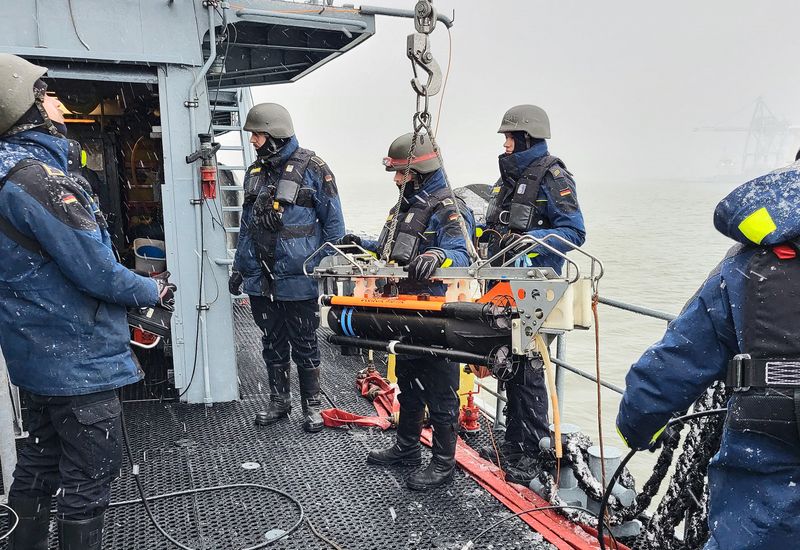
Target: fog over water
[(631, 88)]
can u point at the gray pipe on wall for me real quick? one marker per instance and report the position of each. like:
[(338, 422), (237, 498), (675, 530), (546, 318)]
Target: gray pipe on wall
[(8, 448)]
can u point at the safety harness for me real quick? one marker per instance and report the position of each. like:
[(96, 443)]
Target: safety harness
[(766, 378), (514, 206), (288, 191), (410, 228)]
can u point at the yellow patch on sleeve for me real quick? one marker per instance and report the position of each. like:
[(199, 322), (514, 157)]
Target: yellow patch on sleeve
[(52, 171), (622, 437), (757, 225), (447, 262), (655, 435), (255, 170)]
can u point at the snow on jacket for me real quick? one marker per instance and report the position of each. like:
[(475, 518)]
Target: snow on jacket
[(305, 229), (754, 500), (63, 318)]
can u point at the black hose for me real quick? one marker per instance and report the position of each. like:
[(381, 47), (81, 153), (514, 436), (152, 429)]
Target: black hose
[(628, 457), (10, 512), (144, 499)]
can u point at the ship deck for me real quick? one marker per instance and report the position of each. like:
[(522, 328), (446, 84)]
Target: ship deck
[(358, 506)]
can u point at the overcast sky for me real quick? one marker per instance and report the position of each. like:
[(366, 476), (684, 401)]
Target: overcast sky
[(625, 84)]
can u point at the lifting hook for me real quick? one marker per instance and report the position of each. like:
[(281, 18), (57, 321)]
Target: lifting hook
[(418, 50)]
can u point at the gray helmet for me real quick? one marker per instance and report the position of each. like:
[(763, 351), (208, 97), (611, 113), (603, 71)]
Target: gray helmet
[(526, 118), (16, 93), (270, 118), (424, 161)]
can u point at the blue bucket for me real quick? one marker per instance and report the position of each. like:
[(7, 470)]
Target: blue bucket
[(148, 251)]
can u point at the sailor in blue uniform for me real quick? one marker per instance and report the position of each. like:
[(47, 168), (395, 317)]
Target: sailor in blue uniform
[(534, 196), (741, 326), (426, 236), (63, 321), (291, 207)]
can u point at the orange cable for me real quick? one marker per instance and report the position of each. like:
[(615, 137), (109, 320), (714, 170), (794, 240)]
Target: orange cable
[(446, 78), (595, 299), (494, 446)]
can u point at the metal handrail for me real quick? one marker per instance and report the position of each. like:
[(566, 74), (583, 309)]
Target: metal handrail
[(338, 252), (561, 363), (641, 310), (519, 251), (586, 375)]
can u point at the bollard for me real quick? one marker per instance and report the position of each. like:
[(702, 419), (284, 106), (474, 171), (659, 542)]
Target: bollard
[(613, 456), (568, 488)]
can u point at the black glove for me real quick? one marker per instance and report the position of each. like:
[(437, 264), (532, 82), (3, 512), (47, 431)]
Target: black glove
[(265, 215), (423, 266), (166, 290), (510, 239), (670, 433), (235, 283), (350, 238)]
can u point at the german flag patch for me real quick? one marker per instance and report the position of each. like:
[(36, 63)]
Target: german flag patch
[(69, 199), (565, 192), (453, 217)]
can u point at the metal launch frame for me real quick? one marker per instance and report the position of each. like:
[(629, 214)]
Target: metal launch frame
[(535, 293)]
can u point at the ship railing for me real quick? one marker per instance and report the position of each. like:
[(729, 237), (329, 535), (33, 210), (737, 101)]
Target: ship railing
[(560, 361)]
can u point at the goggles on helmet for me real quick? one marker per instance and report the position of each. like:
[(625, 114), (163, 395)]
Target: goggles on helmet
[(389, 162)]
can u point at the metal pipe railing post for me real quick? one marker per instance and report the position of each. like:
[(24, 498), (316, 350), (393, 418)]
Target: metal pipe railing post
[(8, 449), (499, 415), (561, 354)]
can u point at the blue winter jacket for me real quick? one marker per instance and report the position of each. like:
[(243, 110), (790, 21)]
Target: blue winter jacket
[(304, 229), (442, 233), (63, 320), (557, 200), (754, 502)]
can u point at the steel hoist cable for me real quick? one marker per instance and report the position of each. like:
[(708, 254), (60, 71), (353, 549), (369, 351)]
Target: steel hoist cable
[(425, 22)]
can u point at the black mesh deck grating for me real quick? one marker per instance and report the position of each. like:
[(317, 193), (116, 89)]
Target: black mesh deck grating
[(357, 505)]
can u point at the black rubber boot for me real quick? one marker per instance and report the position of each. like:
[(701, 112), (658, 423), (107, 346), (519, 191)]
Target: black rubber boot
[(407, 450), (86, 534), (280, 398), (441, 467), (34, 523), (509, 451), (525, 470), (309, 390)]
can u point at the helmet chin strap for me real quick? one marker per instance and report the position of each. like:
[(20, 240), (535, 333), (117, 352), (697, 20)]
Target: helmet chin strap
[(413, 185), (270, 147)]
